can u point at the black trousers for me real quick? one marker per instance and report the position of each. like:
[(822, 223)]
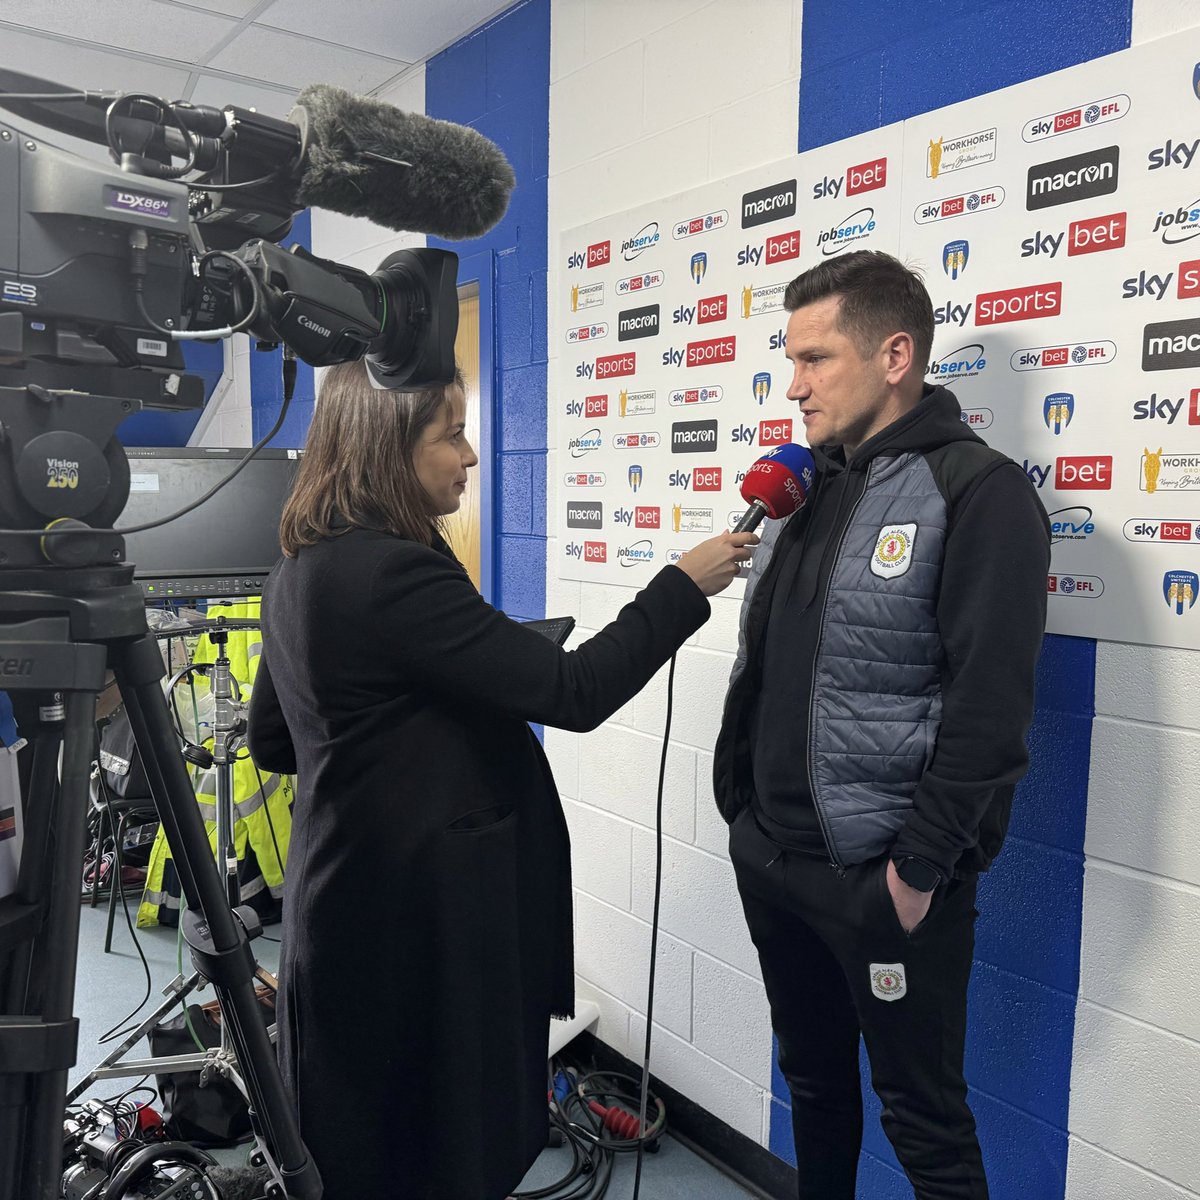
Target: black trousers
[(837, 963)]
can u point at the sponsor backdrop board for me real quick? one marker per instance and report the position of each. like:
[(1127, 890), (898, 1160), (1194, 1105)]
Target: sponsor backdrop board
[(1057, 225)]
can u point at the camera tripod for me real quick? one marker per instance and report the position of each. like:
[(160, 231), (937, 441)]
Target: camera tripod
[(59, 628), (228, 727)]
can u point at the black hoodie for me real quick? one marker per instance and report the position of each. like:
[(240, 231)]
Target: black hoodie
[(990, 613)]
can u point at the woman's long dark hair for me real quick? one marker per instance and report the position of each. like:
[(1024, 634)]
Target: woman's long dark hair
[(357, 469)]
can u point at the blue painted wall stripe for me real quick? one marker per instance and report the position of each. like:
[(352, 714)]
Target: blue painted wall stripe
[(498, 81), (864, 64)]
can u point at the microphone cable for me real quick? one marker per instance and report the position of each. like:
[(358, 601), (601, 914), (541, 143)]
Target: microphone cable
[(658, 854)]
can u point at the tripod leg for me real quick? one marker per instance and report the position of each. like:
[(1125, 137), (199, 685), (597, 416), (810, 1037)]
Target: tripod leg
[(225, 957), (52, 979)]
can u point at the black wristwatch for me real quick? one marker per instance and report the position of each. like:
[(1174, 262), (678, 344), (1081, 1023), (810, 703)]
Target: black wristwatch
[(917, 874)]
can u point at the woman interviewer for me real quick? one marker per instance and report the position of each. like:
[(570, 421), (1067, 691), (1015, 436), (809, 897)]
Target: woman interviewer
[(427, 920)]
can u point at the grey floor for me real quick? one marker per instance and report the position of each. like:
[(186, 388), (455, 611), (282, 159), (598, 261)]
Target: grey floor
[(109, 985)]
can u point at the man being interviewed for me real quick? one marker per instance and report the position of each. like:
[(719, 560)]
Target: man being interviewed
[(875, 723)]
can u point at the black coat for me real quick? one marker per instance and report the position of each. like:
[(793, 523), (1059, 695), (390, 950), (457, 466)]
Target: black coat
[(427, 919)]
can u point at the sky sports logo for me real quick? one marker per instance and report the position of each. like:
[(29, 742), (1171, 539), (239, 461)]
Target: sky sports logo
[(771, 203), (1081, 354), (612, 365), (1079, 177), (1019, 304), (715, 350), (636, 323), (693, 437), (1171, 345)]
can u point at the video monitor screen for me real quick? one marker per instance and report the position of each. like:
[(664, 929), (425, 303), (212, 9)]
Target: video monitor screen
[(225, 547)]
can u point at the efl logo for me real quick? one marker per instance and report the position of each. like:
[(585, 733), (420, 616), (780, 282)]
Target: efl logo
[(703, 224), (587, 333), (635, 441), (1019, 304), (584, 479), (774, 433), (1083, 474), (1082, 354), (595, 552), (640, 283), (1092, 112), (1099, 233), (1079, 177), (1082, 587), (783, 246), (866, 177), (706, 479), (1189, 280), (703, 354), (646, 518), (715, 308), (958, 206), (769, 204), (595, 406), (701, 395), (1171, 345), (612, 365), (977, 418)]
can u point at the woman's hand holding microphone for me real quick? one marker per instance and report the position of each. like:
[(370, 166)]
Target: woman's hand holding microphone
[(713, 565)]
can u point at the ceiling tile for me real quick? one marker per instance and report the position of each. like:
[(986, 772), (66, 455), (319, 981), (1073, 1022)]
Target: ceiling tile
[(143, 26), (410, 32), (284, 58), (77, 65), (231, 8)]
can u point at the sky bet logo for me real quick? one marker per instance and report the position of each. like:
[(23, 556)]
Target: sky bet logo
[(647, 517), (1019, 304), (1093, 112), (703, 224), (1154, 529), (771, 203), (866, 177), (590, 407), (585, 514), (1091, 473), (780, 248), (639, 283), (592, 552), (770, 433), (598, 255), (702, 479), (636, 323), (1083, 237), (1079, 177), (1166, 409), (703, 312), (693, 437), (1173, 154)]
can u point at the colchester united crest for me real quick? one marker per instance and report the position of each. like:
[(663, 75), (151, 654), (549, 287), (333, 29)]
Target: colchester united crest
[(1196, 80), (699, 265), (954, 257), (1057, 410), (1179, 590), (761, 384)]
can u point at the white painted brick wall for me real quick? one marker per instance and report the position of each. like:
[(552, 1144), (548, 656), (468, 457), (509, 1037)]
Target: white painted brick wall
[(1135, 1109), (647, 100)]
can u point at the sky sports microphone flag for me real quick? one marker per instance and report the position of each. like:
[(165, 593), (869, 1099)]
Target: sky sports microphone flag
[(776, 485)]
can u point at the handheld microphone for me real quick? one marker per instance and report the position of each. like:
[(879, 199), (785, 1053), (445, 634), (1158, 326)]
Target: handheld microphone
[(365, 158), (776, 485)]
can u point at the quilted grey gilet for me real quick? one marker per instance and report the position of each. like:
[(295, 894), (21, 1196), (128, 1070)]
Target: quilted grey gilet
[(876, 697)]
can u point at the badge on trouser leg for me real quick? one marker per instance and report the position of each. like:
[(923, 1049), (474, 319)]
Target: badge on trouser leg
[(887, 980)]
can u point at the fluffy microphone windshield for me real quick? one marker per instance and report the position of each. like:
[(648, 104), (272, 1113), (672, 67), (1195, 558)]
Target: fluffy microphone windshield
[(456, 186)]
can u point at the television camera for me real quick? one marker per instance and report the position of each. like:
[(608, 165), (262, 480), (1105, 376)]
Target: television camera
[(104, 271)]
